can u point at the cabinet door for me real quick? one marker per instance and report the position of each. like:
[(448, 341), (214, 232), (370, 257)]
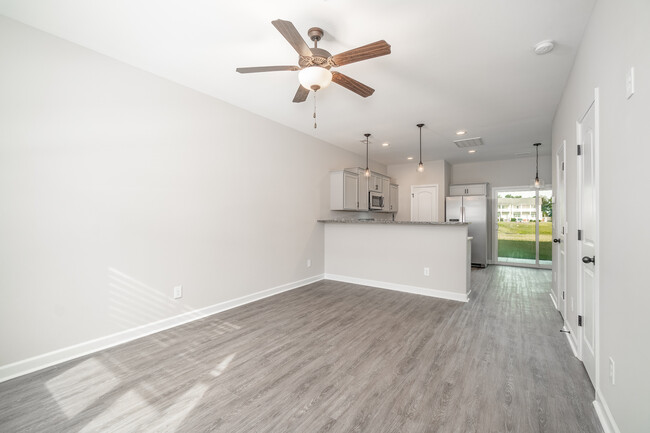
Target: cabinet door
[(478, 189), (350, 191), (393, 198), (363, 191), (385, 188), (457, 190), (375, 182)]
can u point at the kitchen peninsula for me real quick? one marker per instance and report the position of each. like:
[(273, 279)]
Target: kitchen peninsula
[(426, 258)]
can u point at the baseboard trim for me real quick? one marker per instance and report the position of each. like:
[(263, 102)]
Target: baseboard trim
[(604, 415), (552, 295), (49, 359), (572, 344), (399, 287)]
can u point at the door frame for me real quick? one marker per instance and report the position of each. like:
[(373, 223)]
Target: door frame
[(436, 201), (578, 259), (560, 177), (495, 227)]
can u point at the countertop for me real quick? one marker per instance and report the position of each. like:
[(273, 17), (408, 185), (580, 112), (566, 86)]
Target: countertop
[(413, 223)]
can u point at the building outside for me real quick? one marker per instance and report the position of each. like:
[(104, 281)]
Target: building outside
[(520, 209)]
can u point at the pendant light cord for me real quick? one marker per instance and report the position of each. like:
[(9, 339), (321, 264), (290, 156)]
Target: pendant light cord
[(367, 172), (315, 110), (420, 165), (420, 143)]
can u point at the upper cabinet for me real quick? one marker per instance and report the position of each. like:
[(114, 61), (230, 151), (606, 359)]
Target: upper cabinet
[(349, 190), (378, 182), (385, 187), (344, 190), (393, 198), (468, 189), (362, 187)]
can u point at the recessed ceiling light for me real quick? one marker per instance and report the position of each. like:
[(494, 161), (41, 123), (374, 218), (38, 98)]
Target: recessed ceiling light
[(409, 158), (544, 47), (471, 151), (384, 144), (461, 132)]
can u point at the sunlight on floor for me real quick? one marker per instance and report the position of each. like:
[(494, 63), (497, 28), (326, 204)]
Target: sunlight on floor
[(131, 412), (77, 388), (222, 365)]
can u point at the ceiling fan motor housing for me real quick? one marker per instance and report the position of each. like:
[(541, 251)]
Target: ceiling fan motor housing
[(319, 58)]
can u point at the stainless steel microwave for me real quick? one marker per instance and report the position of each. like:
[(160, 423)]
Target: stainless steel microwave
[(376, 201)]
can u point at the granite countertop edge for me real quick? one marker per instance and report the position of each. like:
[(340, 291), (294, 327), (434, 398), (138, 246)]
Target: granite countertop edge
[(413, 223)]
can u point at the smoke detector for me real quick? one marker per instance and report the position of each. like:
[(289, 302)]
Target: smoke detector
[(544, 47)]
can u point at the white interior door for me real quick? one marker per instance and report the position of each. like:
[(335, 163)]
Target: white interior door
[(424, 203), (559, 230), (588, 238)]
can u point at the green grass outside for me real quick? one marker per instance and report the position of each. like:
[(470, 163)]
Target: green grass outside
[(517, 240), (524, 249)]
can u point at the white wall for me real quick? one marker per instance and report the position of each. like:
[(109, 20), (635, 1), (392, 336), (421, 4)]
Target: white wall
[(507, 172), (502, 173), (406, 175), (616, 39), (350, 256), (117, 185)]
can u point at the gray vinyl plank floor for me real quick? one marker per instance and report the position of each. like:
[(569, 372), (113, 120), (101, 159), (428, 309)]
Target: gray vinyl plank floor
[(330, 357)]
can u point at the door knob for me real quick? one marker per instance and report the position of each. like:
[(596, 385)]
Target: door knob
[(586, 259), (557, 241)]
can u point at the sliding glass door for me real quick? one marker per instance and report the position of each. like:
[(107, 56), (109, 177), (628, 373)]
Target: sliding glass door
[(523, 230)]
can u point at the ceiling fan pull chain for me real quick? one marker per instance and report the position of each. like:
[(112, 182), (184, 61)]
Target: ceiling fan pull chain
[(314, 110)]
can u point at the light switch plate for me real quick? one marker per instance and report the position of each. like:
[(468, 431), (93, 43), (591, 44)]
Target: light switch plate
[(629, 83)]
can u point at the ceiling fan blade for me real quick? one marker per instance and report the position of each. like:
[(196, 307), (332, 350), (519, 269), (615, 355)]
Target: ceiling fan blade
[(352, 84), (301, 94), (267, 69), (376, 49), (288, 30)]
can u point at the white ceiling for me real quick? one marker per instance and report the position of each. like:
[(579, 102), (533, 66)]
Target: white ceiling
[(455, 64)]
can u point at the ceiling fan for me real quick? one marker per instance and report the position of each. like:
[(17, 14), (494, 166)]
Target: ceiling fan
[(315, 63)]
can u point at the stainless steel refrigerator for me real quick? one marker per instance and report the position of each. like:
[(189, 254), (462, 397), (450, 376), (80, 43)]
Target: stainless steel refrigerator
[(471, 209)]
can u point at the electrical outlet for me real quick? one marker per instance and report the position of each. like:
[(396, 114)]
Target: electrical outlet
[(178, 292), (612, 371), (309, 263), (426, 272)]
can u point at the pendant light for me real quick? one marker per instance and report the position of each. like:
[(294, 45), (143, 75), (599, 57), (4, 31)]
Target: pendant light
[(420, 165), (537, 181), (367, 172)]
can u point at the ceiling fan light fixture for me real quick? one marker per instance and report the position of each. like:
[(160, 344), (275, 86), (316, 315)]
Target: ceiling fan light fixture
[(314, 78)]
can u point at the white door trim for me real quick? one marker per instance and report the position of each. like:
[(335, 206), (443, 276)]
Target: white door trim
[(596, 236), (561, 229), (495, 225)]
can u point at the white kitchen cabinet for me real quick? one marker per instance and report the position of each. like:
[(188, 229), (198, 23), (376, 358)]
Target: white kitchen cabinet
[(362, 187), (344, 190), (393, 198), (468, 189), (375, 182), (385, 188)]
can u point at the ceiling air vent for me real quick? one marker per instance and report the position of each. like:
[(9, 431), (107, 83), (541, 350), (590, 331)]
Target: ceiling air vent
[(469, 142)]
